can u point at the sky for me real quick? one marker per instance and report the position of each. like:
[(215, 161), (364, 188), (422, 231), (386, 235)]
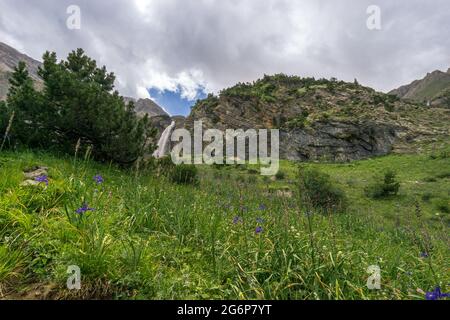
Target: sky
[(177, 51)]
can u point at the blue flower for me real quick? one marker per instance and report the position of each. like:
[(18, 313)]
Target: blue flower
[(99, 179), (424, 254), (258, 230), (42, 179), (262, 207), (436, 294), (85, 208)]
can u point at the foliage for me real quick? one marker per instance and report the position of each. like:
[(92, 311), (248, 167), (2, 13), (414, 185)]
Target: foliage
[(318, 192), (184, 174), (299, 122), (4, 116), (280, 175), (389, 186), (148, 238), (76, 107), (443, 205)]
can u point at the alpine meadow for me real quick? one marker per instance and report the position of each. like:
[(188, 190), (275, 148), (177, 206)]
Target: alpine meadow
[(347, 198)]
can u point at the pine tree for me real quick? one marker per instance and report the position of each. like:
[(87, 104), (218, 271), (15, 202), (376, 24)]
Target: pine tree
[(77, 104), (26, 103), (80, 105), (3, 118)]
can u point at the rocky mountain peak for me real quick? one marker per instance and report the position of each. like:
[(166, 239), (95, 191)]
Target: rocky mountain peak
[(147, 106)]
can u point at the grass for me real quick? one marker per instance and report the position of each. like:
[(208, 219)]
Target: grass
[(149, 238)]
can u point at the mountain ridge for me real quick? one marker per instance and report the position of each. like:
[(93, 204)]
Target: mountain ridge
[(433, 89)]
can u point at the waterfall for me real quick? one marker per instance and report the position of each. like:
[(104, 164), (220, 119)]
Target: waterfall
[(163, 143)]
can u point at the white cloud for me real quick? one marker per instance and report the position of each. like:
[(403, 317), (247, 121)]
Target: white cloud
[(190, 44)]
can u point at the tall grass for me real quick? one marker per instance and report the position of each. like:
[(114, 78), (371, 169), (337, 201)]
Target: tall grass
[(149, 238)]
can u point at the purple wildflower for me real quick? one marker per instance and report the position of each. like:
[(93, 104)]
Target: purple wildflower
[(262, 207), (42, 179), (85, 208), (258, 230), (436, 294), (424, 254), (98, 179)]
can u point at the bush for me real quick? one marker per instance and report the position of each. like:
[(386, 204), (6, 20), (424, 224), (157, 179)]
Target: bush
[(382, 189), (427, 196), (280, 175), (164, 165), (184, 174), (442, 205), (317, 191)]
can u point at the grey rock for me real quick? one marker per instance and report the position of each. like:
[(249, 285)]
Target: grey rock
[(28, 183), (37, 172)]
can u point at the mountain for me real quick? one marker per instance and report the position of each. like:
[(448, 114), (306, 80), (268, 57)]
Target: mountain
[(147, 106), (9, 58), (433, 89), (323, 119)]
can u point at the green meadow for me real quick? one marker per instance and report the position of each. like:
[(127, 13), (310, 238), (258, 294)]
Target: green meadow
[(232, 235)]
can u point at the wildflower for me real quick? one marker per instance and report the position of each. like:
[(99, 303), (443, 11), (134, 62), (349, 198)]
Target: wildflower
[(436, 294), (258, 230), (237, 219), (85, 208), (42, 179), (98, 179), (424, 254), (260, 220), (262, 207)]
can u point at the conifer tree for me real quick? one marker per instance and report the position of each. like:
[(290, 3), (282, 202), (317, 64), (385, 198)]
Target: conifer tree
[(78, 104)]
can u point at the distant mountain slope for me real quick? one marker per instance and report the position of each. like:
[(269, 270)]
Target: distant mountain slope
[(323, 119), (9, 58), (433, 89), (147, 106)]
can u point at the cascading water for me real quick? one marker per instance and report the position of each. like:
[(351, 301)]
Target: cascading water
[(163, 143)]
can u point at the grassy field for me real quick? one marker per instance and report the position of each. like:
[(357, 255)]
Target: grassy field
[(235, 235)]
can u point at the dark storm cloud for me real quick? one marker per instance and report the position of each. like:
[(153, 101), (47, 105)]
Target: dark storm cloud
[(216, 43)]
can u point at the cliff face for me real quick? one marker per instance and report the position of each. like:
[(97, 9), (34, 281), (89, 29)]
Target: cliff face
[(322, 119)]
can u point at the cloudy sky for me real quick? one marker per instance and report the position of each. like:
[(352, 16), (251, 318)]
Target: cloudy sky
[(177, 50)]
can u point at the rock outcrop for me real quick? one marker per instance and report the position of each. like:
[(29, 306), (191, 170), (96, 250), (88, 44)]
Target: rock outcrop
[(323, 119)]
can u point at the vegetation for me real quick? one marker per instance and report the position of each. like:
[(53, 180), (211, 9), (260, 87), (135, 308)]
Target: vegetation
[(298, 122), (138, 236), (159, 231), (389, 186), (76, 109), (184, 174), (318, 192)]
